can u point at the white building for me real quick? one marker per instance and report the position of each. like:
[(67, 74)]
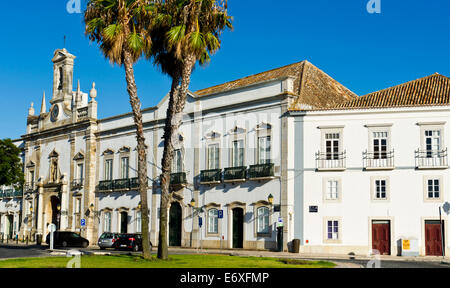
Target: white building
[(291, 145), (376, 169)]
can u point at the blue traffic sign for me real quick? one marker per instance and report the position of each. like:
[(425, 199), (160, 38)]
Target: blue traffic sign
[(220, 214), (83, 222), (200, 221)]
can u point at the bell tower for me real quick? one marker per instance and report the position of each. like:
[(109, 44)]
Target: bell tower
[(63, 63)]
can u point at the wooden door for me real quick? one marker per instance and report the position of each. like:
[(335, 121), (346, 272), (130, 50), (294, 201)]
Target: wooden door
[(433, 240), (381, 237), (238, 228), (124, 222), (175, 225)]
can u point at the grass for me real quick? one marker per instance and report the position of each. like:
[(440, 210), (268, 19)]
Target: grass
[(175, 261)]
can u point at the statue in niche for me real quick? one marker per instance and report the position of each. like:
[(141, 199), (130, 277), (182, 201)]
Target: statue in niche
[(61, 77), (54, 170)]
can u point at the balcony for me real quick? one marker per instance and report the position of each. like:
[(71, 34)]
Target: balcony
[(77, 184), (121, 184), (261, 172), (28, 187), (431, 159), (107, 185), (331, 161), (10, 193), (178, 179), (210, 176), (235, 174), (378, 161)]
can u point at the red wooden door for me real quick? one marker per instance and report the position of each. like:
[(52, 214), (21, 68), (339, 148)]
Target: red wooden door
[(381, 237), (433, 241)]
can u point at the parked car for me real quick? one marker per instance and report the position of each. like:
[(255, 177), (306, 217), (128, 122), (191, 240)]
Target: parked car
[(107, 240), (130, 242), (67, 239)]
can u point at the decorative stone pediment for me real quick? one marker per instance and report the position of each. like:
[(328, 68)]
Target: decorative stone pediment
[(108, 152), (30, 164), (237, 130), (264, 126), (213, 135), (124, 149), (79, 156)]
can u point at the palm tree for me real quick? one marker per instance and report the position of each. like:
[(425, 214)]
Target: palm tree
[(193, 29), (117, 25)]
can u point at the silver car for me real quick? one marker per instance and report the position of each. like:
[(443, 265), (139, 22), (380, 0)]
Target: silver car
[(107, 240)]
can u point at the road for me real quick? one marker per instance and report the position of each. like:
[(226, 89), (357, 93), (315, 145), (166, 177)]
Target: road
[(12, 251)]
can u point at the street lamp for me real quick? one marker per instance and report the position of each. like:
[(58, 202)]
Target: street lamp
[(270, 199), (139, 206)]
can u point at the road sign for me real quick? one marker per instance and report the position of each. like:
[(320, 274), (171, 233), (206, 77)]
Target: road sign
[(200, 221), (83, 222), (220, 214), (52, 228), (280, 222)]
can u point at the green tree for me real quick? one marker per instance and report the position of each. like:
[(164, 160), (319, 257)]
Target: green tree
[(121, 29), (192, 31), (11, 170)]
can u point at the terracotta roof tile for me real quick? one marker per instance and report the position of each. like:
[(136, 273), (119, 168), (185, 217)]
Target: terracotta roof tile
[(432, 90), (312, 86)]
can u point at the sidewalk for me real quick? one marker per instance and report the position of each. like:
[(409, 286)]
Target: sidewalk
[(312, 256)]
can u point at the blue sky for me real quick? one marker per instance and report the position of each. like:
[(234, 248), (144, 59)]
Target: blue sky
[(365, 52)]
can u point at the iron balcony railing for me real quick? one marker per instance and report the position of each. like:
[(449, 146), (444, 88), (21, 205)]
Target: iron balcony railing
[(29, 187), (331, 160), (261, 171), (374, 160), (10, 193), (211, 176), (431, 158), (178, 179), (121, 184), (106, 185), (235, 173), (77, 183)]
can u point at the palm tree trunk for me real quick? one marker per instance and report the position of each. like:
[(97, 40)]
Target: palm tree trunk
[(141, 149), (177, 102), (166, 166)]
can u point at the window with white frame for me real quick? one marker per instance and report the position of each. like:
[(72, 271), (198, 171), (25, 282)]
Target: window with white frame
[(177, 162), (107, 223), (332, 145), (380, 189), (138, 222), (263, 220), (213, 156), (237, 154), (78, 205), (264, 147), (332, 230), (380, 144), (80, 171), (433, 188), (108, 169), (432, 142), (213, 221), (332, 189), (124, 167)]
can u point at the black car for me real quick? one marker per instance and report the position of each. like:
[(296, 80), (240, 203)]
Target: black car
[(130, 242), (67, 239)]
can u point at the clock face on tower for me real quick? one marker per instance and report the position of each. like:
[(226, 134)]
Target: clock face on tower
[(54, 114)]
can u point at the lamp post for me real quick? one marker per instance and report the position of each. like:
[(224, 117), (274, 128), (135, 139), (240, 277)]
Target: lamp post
[(29, 229), (58, 207), (270, 199), (195, 211)]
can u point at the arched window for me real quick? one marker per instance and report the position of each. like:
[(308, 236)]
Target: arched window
[(263, 220), (213, 221), (107, 226), (138, 222)]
